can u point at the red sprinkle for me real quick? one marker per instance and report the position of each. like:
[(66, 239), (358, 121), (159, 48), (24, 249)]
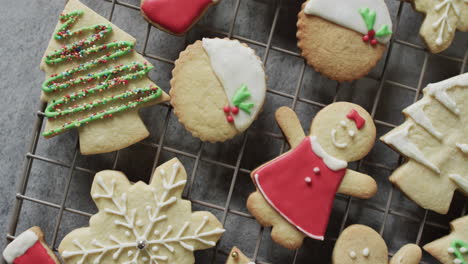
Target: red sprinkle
[(230, 119), (235, 110), (226, 109)]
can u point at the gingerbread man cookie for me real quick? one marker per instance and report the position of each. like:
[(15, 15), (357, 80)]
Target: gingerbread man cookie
[(433, 138), (359, 244), (96, 82), (295, 191), (29, 248), (453, 248), (174, 16), (237, 257), (443, 19), (139, 223)]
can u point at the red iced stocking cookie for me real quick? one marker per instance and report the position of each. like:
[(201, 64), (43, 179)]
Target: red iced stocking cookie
[(29, 248), (296, 190)]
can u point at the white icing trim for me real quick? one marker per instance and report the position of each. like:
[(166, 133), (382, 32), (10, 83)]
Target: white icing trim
[(443, 21), (20, 245), (335, 142), (463, 147), (259, 186), (331, 162), (399, 140), (346, 13), (235, 65), (416, 112), (439, 91), (460, 181)]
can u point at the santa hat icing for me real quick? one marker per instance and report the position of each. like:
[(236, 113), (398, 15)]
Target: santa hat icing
[(27, 248)]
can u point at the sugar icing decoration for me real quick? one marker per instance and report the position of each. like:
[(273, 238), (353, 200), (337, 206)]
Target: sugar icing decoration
[(357, 118), (416, 112), (335, 141), (368, 17), (463, 147), (285, 176), (143, 238), (20, 245), (439, 91), (242, 77), (458, 249), (451, 8), (460, 181), (108, 79)]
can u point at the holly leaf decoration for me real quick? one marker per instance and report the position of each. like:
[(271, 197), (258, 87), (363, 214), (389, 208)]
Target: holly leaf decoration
[(383, 31), (241, 95), (369, 17)]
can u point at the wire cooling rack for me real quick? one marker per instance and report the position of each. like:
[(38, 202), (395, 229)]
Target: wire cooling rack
[(397, 219)]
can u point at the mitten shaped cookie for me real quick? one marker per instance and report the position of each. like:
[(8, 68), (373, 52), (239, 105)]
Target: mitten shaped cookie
[(453, 248), (96, 82), (295, 191), (237, 257), (29, 248), (139, 223), (433, 138), (359, 244)]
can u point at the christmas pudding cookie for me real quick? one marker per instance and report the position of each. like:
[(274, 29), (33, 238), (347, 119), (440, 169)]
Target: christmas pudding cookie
[(433, 139), (174, 16), (218, 88), (95, 82), (314, 170), (453, 248), (359, 244), (237, 257), (139, 223), (443, 19), (343, 39), (29, 248)]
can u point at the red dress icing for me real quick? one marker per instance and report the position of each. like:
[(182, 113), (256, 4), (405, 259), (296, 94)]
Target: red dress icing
[(300, 195), (36, 254), (174, 15)]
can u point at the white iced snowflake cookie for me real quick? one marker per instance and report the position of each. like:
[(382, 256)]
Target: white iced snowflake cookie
[(139, 223), (433, 138), (443, 18)]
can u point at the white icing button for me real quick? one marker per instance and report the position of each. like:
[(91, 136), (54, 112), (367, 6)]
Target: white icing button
[(316, 170), (343, 123), (308, 179), (352, 254), (365, 252), (351, 133), (451, 250)]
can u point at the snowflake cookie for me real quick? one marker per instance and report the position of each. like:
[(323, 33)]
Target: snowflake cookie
[(453, 248), (237, 257), (433, 139), (139, 223), (443, 18)]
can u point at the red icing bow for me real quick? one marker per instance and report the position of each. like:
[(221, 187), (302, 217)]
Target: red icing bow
[(354, 115)]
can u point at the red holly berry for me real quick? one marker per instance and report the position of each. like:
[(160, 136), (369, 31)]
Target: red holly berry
[(235, 110), (371, 34), (230, 119), (365, 38), (373, 42), (226, 109)]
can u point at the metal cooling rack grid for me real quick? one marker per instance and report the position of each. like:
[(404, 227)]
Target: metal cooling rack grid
[(225, 211)]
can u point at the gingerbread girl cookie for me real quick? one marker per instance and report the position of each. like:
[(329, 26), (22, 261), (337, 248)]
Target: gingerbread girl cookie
[(295, 191), (29, 248), (359, 244), (453, 248), (237, 257)]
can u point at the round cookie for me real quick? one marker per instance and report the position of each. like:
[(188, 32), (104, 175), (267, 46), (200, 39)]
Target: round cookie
[(218, 88), (343, 39)]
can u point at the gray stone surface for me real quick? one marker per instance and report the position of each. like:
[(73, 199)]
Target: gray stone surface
[(26, 26)]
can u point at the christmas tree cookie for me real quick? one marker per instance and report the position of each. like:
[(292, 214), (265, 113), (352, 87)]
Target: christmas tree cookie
[(295, 191), (29, 248), (95, 82), (433, 139), (139, 223), (453, 248), (343, 39), (359, 244), (443, 19), (218, 88), (174, 16), (237, 257)]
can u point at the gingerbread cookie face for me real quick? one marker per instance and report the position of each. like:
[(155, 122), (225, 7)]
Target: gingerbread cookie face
[(139, 223), (452, 248), (443, 19), (174, 16), (95, 82), (29, 248), (341, 39), (433, 138), (218, 88)]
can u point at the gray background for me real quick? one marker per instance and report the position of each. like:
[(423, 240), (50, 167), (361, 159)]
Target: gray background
[(26, 26)]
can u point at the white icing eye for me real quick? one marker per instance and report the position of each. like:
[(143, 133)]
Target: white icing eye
[(351, 133), (307, 179), (316, 170), (343, 123), (365, 252), (352, 254)]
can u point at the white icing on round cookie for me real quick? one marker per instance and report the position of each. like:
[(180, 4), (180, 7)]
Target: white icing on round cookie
[(20, 245), (346, 13), (236, 65)]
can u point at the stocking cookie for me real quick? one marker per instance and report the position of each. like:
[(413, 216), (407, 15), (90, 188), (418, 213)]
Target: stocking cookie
[(139, 223), (433, 139), (359, 244), (237, 257), (295, 191), (96, 82), (218, 88), (343, 39), (174, 16), (29, 248), (443, 18)]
